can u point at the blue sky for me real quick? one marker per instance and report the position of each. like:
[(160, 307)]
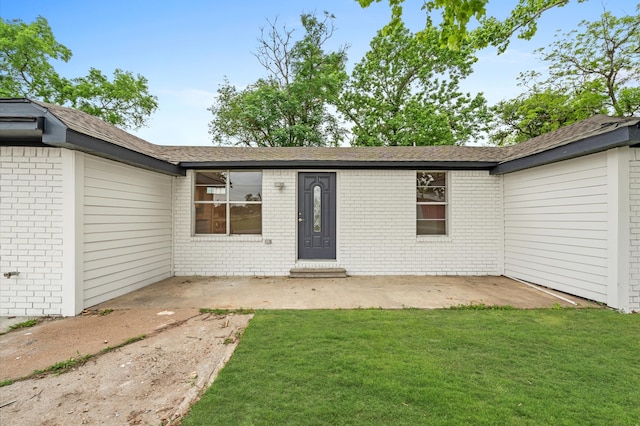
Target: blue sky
[(186, 48)]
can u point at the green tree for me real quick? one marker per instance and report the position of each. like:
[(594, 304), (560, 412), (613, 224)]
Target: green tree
[(405, 91), (26, 53), (536, 113), (291, 106), (457, 14), (594, 69)]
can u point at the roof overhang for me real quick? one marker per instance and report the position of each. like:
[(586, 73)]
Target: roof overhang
[(24, 123), (21, 128), (623, 136), (319, 164)]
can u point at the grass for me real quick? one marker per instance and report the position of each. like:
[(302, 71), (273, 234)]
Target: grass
[(125, 342), (464, 366), (64, 366), (7, 382), (71, 363), (24, 324), (219, 311)]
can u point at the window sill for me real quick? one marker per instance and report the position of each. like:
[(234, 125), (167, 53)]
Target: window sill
[(227, 238), (433, 238)]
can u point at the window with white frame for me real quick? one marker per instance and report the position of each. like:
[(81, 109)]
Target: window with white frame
[(228, 202), (431, 193)]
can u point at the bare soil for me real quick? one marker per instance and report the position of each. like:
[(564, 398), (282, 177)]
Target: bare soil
[(152, 381)]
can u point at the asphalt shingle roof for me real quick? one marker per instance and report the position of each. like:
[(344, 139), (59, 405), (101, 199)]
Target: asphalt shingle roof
[(89, 125), (183, 154), (593, 126), (93, 127)]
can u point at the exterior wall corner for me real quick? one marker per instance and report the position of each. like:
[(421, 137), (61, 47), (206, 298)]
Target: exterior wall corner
[(72, 228)]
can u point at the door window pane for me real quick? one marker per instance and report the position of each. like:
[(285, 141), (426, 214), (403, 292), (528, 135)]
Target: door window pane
[(317, 208)]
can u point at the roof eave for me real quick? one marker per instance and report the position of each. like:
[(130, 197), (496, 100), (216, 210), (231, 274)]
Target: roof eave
[(339, 164), (36, 125), (623, 136), (81, 142)]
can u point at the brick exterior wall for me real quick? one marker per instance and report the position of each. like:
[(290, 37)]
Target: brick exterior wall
[(31, 231), (377, 225), (634, 236), (239, 254), (376, 229)]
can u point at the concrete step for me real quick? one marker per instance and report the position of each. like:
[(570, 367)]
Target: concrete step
[(318, 273)]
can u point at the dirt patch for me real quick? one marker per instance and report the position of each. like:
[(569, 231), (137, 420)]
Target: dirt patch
[(152, 381)]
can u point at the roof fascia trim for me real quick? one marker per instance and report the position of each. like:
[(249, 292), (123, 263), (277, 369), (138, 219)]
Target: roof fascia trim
[(333, 164), (81, 142), (53, 129), (622, 136)]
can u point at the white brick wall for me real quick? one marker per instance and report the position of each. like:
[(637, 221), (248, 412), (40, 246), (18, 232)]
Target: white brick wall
[(376, 228), (634, 225), (377, 225), (31, 231), (238, 255)]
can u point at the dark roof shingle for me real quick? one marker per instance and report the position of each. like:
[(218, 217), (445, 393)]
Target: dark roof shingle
[(192, 154), (593, 126), (176, 156), (94, 127)]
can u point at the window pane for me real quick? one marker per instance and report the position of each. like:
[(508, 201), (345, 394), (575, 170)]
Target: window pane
[(245, 186), (211, 186), (431, 227), (431, 211), (431, 194), (246, 218), (431, 179), (211, 193), (211, 219), (211, 178)]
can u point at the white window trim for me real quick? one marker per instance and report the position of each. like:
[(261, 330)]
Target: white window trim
[(447, 203), (227, 203)]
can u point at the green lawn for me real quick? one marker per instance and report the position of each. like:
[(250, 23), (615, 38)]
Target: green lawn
[(513, 367)]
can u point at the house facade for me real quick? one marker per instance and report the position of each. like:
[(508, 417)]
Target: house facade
[(89, 212)]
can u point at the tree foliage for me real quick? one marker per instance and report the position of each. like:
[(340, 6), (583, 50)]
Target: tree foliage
[(291, 106), (26, 70), (405, 91), (457, 14), (594, 69)]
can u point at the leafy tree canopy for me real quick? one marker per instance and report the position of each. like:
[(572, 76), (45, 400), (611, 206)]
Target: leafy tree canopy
[(594, 69), (26, 53), (405, 91), (457, 14), (291, 105)]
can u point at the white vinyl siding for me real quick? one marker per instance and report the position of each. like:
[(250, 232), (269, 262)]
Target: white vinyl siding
[(634, 229), (127, 229), (556, 226)]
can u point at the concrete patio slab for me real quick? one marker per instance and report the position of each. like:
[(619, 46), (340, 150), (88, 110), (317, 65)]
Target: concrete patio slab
[(171, 302), (388, 292)]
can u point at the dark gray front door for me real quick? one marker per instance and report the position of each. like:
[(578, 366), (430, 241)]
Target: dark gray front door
[(317, 215)]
